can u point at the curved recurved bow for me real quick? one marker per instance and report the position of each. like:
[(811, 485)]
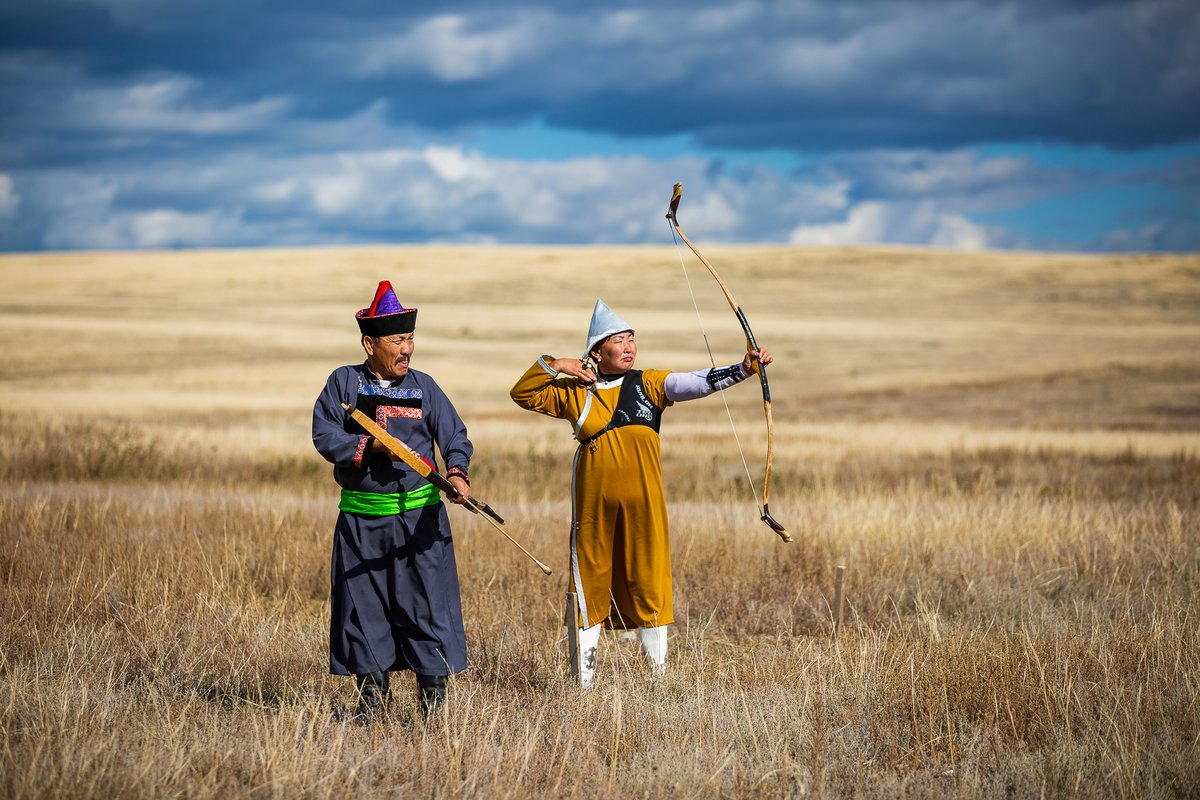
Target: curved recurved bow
[(751, 345)]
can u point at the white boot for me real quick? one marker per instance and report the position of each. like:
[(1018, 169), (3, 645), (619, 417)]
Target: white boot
[(589, 639), (654, 646)]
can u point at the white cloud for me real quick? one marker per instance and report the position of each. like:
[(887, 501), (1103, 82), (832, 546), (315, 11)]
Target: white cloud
[(876, 222), (451, 194), (1180, 234), (155, 228), (10, 201), (956, 232), (918, 172), (168, 228), (337, 193), (864, 223), (449, 48), (78, 209), (448, 193), (165, 105), (451, 163)]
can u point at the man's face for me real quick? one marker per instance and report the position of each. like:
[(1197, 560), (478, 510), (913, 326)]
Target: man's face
[(388, 355)]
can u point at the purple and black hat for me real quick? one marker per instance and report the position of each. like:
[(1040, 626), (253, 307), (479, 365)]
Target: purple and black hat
[(386, 316)]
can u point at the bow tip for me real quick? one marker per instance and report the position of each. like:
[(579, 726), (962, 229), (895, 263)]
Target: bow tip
[(676, 194), (774, 525)]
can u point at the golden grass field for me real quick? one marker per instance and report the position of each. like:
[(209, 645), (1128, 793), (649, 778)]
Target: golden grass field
[(1003, 449)]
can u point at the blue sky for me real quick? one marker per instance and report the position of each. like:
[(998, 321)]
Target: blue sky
[(970, 125)]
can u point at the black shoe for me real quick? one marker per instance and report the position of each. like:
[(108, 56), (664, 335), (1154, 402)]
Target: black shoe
[(431, 692), (374, 690)]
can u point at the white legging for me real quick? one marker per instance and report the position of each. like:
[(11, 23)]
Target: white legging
[(654, 648)]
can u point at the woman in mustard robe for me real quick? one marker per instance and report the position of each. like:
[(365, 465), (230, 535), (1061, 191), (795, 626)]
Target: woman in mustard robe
[(620, 544)]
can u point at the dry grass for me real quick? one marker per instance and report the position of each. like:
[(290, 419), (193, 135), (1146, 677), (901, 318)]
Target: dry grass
[(1005, 451)]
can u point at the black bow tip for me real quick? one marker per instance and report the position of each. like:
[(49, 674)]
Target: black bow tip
[(774, 525)]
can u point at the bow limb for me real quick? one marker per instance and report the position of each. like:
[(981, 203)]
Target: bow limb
[(751, 346)]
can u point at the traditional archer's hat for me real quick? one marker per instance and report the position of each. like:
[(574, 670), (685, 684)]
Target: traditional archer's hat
[(386, 316), (604, 324)]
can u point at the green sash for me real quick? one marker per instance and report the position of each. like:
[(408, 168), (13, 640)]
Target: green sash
[(373, 504)]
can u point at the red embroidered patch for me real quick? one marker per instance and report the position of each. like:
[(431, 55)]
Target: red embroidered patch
[(384, 413)]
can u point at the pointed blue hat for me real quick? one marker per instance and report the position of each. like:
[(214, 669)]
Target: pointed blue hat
[(604, 324)]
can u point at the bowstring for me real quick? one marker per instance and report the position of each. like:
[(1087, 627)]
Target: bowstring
[(712, 360)]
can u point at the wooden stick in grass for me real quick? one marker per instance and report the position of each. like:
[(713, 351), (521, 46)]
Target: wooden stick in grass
[(839, 599)]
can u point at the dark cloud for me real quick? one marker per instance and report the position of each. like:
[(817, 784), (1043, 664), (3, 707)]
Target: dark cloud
[(802, 76)]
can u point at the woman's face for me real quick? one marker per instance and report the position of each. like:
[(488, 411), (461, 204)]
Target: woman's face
[(616, 354)]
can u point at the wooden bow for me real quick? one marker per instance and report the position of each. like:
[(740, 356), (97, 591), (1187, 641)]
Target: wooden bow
[(404, 453), (751, 346)]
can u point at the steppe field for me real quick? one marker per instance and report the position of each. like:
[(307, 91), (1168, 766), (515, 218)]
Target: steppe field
[(1002, 449)]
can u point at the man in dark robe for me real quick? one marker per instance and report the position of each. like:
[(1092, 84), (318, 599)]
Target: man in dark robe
[(395, 595)]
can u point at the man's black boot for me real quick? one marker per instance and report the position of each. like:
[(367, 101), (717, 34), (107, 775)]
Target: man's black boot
[(431, 691), (373, 691)]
